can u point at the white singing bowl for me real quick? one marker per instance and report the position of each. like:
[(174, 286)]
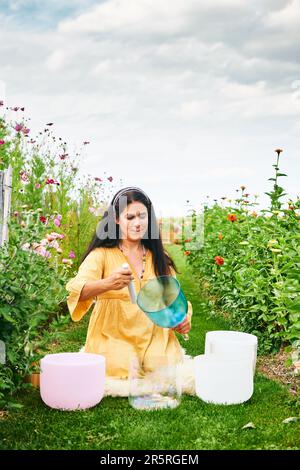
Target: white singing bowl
[(223, 380), (232, 344), (72, 381)]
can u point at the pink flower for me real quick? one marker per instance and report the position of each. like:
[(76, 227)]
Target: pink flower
[(57, 222), (25, 130), (38, 185), (24, 177), (54, 244), (18, 127), (110, 178), (66, 261), (2, 142), (92, 210), (40, 250), (59, 217), (72, 254), (54, 236)]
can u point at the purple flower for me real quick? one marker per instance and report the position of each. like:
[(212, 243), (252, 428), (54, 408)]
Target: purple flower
[(72, 254), (57, 222), (18, 127)]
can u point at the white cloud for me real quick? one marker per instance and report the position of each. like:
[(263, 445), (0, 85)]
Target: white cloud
[(287, 17), (143, 16), (195, 93), (56, 60)]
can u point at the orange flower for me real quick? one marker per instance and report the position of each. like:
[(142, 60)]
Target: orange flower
[(219, 260), (232, 217), (254, 214), (187, 240), (220, 236), (187, 253)]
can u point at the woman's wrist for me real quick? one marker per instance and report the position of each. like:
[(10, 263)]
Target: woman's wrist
[(104, 285)]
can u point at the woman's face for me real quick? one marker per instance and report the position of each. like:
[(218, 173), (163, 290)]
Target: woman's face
[(133, 221)]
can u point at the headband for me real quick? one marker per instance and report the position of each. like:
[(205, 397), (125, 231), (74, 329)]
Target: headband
[(129, 188)]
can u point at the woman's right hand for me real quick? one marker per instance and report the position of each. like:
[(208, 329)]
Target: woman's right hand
[(119, 278)]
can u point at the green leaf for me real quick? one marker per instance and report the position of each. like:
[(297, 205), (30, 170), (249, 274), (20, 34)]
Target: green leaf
[(294, 308)]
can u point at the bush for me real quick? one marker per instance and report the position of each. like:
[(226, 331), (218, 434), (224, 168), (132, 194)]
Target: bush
[(30, 293), (251, 265)]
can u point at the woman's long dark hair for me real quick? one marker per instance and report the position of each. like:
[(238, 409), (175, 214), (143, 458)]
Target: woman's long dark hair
[(107, 233)]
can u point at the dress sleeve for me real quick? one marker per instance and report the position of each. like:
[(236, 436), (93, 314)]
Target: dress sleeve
[(91, 269), (190, 307)]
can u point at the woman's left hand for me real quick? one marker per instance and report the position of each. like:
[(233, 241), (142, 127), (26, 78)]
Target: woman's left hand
[(183, 327)]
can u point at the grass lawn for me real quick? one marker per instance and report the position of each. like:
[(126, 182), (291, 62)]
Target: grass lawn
[(194, 425)]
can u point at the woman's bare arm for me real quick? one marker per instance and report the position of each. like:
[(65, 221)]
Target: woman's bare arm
[(117, 280)]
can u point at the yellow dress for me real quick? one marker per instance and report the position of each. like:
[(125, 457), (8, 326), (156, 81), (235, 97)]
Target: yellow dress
[(118, 329)]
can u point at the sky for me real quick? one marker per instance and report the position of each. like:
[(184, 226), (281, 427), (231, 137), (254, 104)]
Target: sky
[(184, 98)]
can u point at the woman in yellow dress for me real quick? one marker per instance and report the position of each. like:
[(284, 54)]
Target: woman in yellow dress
[(118, 329)]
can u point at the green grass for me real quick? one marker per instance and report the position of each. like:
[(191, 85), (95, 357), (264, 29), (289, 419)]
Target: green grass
[(113, 424)]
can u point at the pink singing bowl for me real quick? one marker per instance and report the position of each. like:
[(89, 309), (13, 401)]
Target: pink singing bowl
[(72, 381)]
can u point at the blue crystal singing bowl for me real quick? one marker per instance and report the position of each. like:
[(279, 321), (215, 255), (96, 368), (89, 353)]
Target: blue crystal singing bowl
[(163, 301)]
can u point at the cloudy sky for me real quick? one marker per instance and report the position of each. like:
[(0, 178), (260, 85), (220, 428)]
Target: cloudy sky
[(183, 98)]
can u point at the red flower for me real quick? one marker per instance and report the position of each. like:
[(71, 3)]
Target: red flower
[(2, 142), (43, 219), (52, 181), (232, 217), (219, 260), (187, 253), (187, 240)]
